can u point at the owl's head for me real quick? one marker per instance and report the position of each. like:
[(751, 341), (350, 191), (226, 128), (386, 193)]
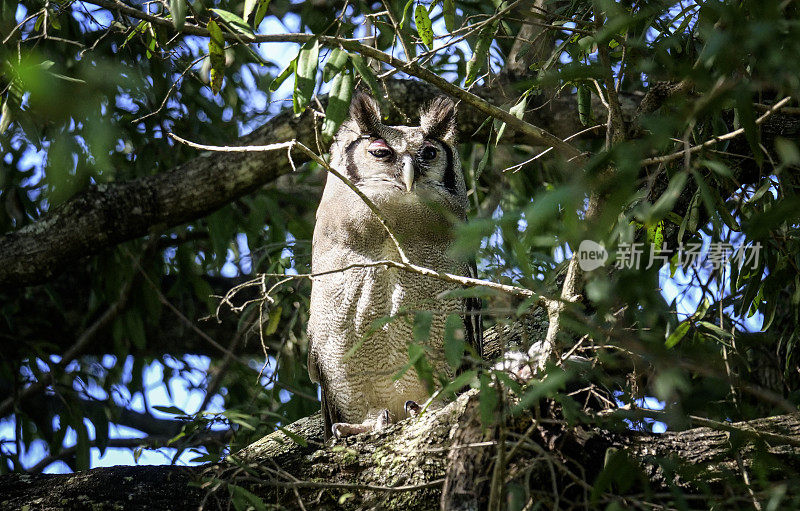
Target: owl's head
[(402, 164)]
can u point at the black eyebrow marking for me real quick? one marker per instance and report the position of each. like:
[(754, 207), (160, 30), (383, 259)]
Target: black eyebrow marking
[(449, 176), (352, 169)]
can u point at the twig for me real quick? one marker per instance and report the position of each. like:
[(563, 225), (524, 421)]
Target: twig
[(721, 138)]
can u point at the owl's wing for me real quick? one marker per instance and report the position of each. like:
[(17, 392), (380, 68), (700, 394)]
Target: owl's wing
[(330, 415), (473, 324)]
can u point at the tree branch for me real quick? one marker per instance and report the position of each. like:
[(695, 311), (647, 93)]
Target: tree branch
[(410, 459)]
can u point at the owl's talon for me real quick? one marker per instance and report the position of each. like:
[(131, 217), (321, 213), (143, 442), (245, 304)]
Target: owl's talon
[(343, 429), (412, 408), (383, 421)]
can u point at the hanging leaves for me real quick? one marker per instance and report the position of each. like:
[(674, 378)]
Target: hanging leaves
[(216, 55), (260, 7), (405, 12), (177, 8), (5, 116), (306, 75), (517, 111), (449, 14), (338, 103), (235, 23), (286, 73), (365, 72), (335, 64), (424, 25), (480, 54)]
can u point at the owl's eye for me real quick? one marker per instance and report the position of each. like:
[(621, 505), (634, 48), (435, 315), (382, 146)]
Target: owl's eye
[(428, 153), (379, 149)]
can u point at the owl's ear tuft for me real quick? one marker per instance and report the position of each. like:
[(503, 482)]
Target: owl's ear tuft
[(366, 113), (438, 119)]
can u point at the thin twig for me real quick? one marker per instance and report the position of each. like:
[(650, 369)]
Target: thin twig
[(721, 138)]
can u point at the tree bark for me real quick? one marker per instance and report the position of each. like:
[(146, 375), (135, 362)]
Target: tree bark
[(406, 466)]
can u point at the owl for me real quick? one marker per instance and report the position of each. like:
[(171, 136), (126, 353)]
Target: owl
[(361, 314)]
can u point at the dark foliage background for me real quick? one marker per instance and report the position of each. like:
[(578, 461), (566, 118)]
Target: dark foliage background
[(685, 113)]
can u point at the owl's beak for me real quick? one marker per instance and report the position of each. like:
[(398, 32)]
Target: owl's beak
[(408, 172)]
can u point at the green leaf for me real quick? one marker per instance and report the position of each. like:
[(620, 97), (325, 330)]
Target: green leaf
[(461, 381), (484, 160), (366, 73), (235, 23), (787, 151), (480, 54), (335, 64), (747, 119), (708, 200), (405, 12), (338, 104), (667, 200), (274, 320), (655, 235), (770, 306), (151, 42), (691, 218), (487, 400), (453, 343), (216, 55), (135, 327), (678, 334), (702, 308), (717, 167), (418, 360), (5, 116), (306, 75), (249, 7), (552, 382), (714, 330), (517, 111), (286, 73), (244, 499), (424, 27), (299, 440), (422, 326), (261, 12), (140, 28), (449, 13), (585, 103), (177, 8), (247, 10)]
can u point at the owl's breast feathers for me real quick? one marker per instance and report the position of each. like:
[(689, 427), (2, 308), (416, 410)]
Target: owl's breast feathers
[(361, 326)]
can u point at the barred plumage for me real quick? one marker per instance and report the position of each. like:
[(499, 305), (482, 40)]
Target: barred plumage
[(413, 175)]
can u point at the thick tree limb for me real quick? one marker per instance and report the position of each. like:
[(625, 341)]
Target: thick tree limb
[(405, 466)]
